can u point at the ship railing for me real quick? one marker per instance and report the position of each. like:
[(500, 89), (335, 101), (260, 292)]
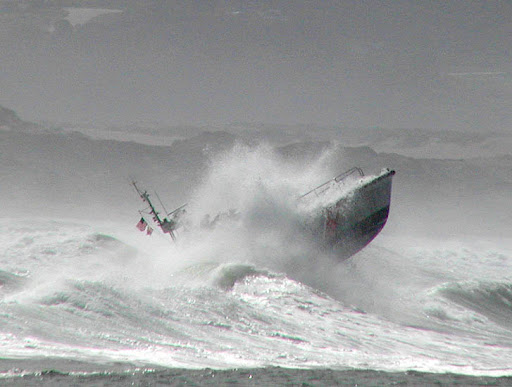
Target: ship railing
[(337, 179)]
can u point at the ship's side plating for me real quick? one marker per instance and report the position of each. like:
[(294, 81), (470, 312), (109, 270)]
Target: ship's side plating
[(356, 219)]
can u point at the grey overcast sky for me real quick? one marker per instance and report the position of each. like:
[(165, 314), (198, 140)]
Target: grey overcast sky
[(429, 64)]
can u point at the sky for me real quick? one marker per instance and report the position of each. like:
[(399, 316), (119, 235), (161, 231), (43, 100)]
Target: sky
[(398, 64)]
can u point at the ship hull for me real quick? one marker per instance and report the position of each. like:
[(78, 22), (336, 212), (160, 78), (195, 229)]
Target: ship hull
[(355, 220)]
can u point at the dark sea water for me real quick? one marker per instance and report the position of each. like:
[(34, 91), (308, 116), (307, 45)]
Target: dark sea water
[(271, 376)]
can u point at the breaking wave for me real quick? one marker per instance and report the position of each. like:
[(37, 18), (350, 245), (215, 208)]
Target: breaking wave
[(89, 297)]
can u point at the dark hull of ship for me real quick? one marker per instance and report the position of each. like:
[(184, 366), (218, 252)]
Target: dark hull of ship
[(354, 221)]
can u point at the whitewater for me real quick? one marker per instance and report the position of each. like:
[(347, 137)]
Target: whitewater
[(86, 295)]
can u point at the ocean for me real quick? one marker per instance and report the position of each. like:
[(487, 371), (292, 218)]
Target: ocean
[(80, 306), (88, 299)]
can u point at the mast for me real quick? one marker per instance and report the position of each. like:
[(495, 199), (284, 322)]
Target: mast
[(166, 225)]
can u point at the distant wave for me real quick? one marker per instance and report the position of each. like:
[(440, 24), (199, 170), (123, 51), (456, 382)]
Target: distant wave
[(228, 275), (10, 282), (490, 299), (89, 296)]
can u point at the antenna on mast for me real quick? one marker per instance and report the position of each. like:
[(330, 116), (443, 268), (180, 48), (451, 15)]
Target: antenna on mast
[(162, 204)]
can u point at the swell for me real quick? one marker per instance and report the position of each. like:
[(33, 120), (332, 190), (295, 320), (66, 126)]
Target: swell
[(490, 299), (10, 282)]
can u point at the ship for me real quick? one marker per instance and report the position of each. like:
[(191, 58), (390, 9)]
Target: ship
[(344, 214)]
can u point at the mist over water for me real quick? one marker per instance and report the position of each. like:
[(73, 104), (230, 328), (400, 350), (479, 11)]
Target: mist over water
[(395, 64)]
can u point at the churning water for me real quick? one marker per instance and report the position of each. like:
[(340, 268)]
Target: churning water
[(249, 294)]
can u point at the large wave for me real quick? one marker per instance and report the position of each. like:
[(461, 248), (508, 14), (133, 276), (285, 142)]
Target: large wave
[(490, 300), (76, 294), (250, 292)]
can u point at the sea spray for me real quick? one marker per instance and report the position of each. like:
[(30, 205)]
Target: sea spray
[(263, 189)]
